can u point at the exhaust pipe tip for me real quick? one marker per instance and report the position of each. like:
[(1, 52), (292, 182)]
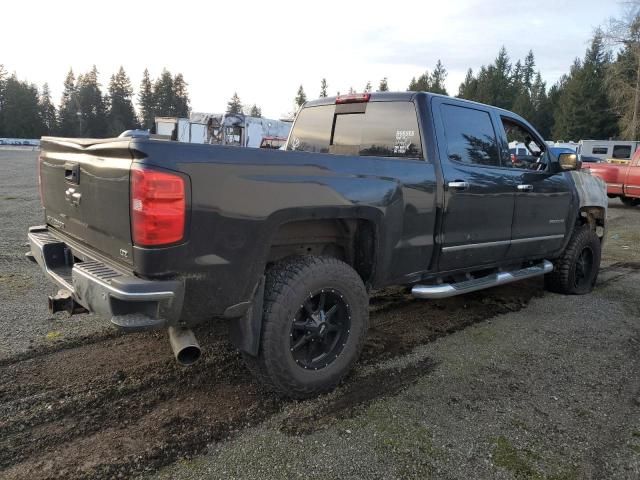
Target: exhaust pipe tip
[(184, 345), (188, 355)]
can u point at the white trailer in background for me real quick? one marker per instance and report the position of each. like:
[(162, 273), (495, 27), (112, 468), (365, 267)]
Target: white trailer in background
[(613, 151), (181, 129), (241, 130), (224, 129)]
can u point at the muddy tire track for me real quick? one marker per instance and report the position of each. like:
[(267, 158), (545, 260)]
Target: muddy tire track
[(121, 406)]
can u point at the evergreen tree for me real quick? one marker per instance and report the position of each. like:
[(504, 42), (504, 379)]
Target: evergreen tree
[(91, 106), (384, 85), (255, 111), (3, 81), (180, 97), (301, 97), (69, 121), (121, 115), (323, 88), (234, 105), (163, 95), (584, 109), (47, 112), (469, 87), (146, 102), (367, 87), (20, 110), (438, 78), (430, 82)]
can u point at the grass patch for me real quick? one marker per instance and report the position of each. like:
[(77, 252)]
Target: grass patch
[(518, 462), (53, 335), (405, 441)]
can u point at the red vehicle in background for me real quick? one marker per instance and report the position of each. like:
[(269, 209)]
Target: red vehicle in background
[(623, 180)]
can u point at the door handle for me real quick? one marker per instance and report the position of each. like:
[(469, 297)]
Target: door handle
[(525, 188), (458, 185)]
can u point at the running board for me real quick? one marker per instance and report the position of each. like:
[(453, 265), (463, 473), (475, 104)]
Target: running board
[(444, 290)]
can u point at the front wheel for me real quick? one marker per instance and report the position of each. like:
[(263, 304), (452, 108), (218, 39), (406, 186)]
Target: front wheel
[(315, 320), (576, 271)]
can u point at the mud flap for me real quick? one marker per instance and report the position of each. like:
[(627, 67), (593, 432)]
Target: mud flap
[(245, 331)]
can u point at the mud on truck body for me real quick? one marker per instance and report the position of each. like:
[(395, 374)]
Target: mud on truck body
[(374, 190)]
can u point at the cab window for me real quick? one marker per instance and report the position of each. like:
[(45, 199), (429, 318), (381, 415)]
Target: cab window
[(379, 129)]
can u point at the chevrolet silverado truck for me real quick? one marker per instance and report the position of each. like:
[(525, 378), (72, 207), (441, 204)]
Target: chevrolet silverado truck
[(623, 180), (373, 190)]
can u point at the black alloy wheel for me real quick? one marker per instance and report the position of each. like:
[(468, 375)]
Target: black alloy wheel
[(584, 268), (320, 329)]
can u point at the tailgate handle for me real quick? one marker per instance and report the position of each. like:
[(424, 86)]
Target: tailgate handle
[(72, 172)]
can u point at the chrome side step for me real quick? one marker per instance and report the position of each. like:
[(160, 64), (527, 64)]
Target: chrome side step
[(444, 290)]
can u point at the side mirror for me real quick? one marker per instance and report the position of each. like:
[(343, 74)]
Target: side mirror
[(569, 161)]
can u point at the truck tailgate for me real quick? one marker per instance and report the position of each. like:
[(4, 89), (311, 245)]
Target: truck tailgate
[(85, 192)]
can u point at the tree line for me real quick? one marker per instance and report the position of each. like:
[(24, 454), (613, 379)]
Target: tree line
[(598, 98), (84, 110)]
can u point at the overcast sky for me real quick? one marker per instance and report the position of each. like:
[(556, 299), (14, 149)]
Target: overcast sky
[(265, 49)]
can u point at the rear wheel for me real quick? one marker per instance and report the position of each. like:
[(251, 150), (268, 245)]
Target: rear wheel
[(630, 202), (315, 321), (576, 271)]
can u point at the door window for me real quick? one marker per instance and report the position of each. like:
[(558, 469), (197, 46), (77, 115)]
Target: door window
[(529, 153), (470, 135)]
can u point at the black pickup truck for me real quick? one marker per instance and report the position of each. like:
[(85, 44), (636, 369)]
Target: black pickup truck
[(374, 190)]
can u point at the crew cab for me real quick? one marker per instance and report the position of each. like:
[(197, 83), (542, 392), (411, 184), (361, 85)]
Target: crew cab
[(623, 180), (373, 190)]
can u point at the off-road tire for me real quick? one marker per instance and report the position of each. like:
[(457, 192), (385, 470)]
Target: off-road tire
[(288, 284), (563, 277), (629, 201)]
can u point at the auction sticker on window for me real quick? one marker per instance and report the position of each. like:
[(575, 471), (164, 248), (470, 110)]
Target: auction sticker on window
[(404, 138)]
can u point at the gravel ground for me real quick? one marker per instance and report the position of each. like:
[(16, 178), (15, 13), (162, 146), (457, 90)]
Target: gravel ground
[(508, 383), (551, 391), (25, 322)]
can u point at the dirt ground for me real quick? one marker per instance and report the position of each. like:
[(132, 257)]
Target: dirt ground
[(512, 382)]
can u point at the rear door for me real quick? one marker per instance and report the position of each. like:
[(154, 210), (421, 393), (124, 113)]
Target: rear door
[(479, 191), (85, 192)]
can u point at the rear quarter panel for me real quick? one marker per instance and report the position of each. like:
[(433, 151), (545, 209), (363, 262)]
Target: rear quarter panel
[(240, 197)]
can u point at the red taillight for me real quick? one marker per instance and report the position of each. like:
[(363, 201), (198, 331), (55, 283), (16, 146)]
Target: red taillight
[(513, 158), (157, 207), (353, 98)]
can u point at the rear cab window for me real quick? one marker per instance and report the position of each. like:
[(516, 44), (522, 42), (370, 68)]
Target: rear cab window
[(379, 129)]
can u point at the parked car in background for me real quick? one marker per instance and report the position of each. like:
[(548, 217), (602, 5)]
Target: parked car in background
[(623, 181)]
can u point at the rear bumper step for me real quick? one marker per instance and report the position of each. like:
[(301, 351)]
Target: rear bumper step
[(444, 290), (131, 303)]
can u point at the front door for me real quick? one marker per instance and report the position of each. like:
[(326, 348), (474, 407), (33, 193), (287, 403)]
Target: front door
[(479, 190), (542, 200)]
